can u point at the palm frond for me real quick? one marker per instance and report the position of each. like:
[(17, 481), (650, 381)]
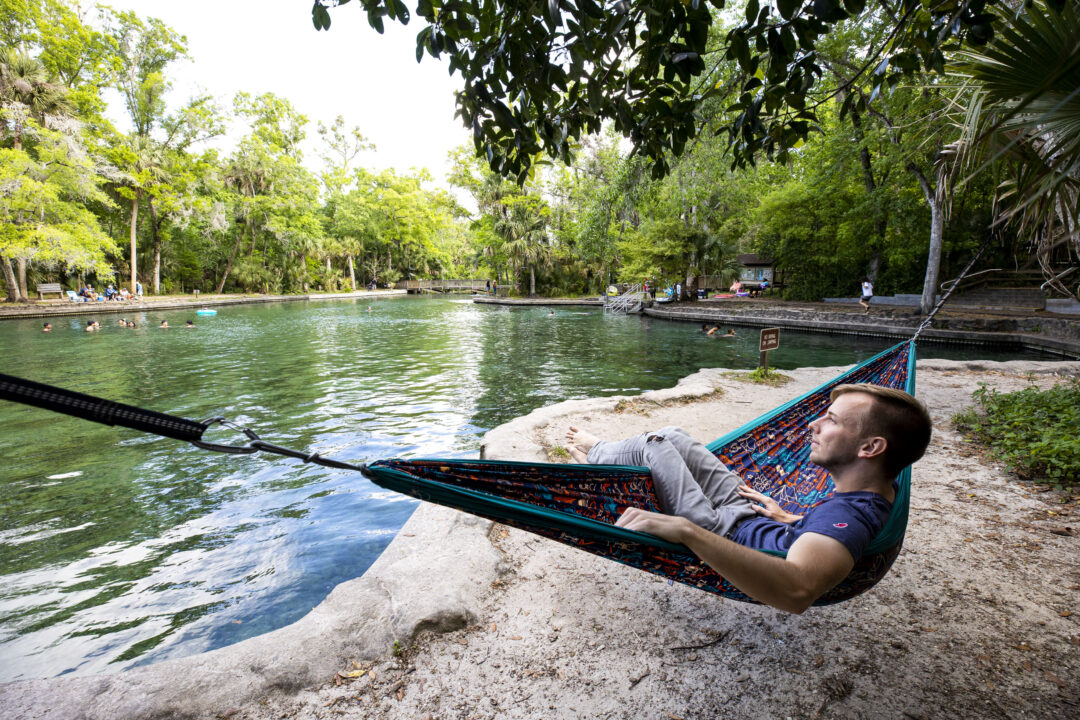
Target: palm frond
[(1022, 119)]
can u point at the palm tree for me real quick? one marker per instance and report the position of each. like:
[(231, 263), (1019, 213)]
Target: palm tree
[(144, 167), (248, 174), (1023, 119), (523, 233), (24, 80)]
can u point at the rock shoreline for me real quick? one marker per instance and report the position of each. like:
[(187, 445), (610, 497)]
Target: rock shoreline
[(53, 310)]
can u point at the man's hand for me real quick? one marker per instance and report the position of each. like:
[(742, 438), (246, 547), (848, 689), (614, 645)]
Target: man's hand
[(814, 564), (667, 527), (765, 505)]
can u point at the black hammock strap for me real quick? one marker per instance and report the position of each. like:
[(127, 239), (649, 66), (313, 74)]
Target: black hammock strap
[(98, 409), (107, 412)]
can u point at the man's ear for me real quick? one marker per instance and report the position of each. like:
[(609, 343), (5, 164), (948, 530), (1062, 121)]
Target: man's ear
[(873, 447)]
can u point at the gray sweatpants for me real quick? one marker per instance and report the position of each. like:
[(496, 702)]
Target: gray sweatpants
[(689, 480)]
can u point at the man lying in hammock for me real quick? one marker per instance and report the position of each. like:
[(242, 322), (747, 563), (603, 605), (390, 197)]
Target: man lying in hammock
[(865, 438)]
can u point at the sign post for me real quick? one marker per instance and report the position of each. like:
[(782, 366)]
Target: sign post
[(770, 340)]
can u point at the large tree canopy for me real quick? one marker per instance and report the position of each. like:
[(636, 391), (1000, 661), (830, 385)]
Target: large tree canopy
[(540, 74)]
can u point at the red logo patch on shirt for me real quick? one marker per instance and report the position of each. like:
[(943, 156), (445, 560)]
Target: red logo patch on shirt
[(840, 525)]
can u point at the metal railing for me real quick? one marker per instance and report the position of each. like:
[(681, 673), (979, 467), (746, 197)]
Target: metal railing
[(440, 284), (629, 301)]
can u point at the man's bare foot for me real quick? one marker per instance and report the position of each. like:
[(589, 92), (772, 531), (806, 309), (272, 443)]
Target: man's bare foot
[(580, 444), (584, 441), (579, 457)]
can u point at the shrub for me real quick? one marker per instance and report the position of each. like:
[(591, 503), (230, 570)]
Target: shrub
[(1033, 431), (768, 376)]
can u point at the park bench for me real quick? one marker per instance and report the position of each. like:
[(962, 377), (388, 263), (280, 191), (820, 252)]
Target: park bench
[(43, 288)]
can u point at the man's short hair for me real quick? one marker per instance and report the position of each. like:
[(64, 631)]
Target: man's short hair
[(898, 417)]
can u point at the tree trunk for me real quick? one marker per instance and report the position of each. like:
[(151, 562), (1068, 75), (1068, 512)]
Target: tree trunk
[(881, 224), (232, 258), (21, 264), (156, 236), (134, 250), (532, 282), (254, 237), (303, 273), (873, 266), (352, 273), (937, 228), (9, 280)]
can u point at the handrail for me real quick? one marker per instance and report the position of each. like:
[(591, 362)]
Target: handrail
[(954, 281), (623, 302)]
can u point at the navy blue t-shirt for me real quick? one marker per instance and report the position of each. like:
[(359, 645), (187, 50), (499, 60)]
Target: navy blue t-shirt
[(853, 518)]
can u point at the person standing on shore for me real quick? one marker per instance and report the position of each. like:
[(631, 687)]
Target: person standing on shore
[(867, 294)]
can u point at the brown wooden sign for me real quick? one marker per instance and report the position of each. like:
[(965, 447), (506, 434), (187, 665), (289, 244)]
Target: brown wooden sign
[(770, 339)]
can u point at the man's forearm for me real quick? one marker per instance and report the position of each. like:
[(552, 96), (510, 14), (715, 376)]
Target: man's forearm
[(769, 579), (814, 563)]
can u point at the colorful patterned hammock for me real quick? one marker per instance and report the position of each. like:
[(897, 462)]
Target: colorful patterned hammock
[(578, 504)]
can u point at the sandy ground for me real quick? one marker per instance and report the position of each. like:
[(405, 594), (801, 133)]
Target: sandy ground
[(979, 617)]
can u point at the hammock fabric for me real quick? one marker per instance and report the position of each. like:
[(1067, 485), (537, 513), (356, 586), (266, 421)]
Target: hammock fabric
[(579, 504)]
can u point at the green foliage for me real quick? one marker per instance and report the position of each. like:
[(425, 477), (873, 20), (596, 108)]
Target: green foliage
[(540, 75), (1032, 431), (258, 219), (767, 376), (44, 189), (1020, 111)]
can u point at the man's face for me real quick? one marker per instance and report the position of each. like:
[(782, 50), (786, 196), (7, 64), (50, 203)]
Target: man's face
[(837, 436)]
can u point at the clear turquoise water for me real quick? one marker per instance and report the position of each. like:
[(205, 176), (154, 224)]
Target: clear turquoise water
[(149, 549)]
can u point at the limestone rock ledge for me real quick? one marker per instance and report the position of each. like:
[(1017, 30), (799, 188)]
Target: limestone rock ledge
[(431, 577)]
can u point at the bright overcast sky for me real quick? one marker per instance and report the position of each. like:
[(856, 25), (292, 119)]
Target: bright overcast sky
[(404, 107)]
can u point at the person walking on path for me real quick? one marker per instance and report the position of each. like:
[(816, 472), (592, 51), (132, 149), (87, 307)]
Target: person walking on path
[(867, 294), (864, 439)]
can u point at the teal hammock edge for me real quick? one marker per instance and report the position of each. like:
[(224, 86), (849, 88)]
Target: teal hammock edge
[(551, 523), (892, 532), (485, 504), (838, 380)]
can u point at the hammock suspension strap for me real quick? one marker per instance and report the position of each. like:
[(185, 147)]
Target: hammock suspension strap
[(106, 412), (953, 284)]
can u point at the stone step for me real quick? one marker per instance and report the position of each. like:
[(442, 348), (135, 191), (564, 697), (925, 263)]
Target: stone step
[(1005, 298)]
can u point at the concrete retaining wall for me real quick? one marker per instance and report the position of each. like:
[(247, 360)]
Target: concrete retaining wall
[(1054, 335)]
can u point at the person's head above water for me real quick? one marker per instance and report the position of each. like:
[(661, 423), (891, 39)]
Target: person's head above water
[(870, 423), (47, 327)]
